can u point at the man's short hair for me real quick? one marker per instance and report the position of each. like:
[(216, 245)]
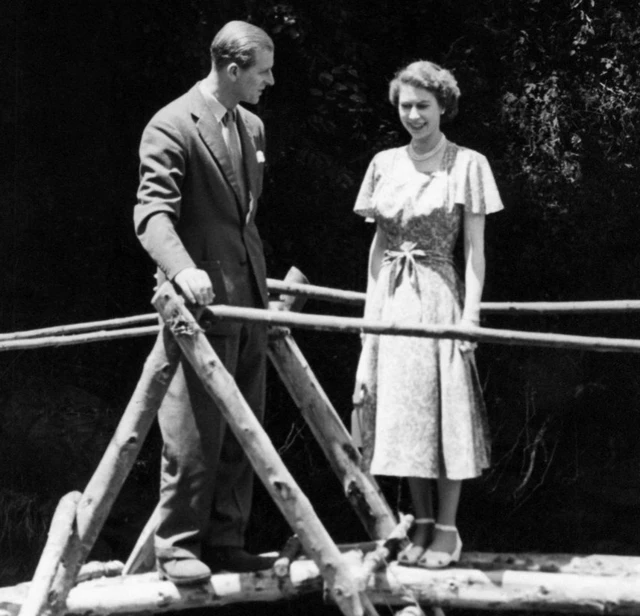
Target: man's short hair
[(238, 42)]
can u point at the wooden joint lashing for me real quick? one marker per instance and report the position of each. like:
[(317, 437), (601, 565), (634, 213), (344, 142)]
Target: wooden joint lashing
[(182, 328), (276, 332)]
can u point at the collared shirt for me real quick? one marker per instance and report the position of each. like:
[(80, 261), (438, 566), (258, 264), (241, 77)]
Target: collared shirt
[(219, 110), (232, 141)]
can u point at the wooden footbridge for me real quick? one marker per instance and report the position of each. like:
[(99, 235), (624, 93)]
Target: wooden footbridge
[(358, 577)]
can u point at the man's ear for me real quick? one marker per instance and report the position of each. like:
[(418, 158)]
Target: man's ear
[(232, 71)]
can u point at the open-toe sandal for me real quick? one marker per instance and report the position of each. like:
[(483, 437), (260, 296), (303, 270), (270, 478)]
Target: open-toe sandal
[(410, 554), (434, 559)]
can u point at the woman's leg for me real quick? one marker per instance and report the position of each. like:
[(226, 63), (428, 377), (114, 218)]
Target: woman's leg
[(422, 499), (448, 499)]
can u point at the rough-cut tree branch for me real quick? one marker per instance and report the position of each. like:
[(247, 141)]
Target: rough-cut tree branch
[(360, 487)]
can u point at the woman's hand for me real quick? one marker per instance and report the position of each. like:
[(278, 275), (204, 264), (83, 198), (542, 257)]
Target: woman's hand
[(360, 387), (358, 391), (467, 346)]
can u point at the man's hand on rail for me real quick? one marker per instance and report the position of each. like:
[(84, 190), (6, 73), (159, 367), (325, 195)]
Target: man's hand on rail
[(195, 285)]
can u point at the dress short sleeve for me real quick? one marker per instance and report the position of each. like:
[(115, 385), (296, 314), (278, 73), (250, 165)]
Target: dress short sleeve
[(475, 186), (364, 202)]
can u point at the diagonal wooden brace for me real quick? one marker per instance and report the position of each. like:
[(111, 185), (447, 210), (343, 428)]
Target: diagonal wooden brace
[(43, 596), (359, 486), (280, 484)]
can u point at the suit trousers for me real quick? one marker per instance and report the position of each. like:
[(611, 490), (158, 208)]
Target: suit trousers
[(206, 479)]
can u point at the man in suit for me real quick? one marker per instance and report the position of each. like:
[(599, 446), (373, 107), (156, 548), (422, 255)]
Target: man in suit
[(201, 168)]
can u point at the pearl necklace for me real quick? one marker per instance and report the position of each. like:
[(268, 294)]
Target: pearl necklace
[(427, 155)]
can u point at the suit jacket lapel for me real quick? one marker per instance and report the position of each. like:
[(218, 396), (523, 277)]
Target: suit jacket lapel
[(211, 133)]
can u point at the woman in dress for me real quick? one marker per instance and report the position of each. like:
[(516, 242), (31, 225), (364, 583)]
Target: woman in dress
[(419, 407)]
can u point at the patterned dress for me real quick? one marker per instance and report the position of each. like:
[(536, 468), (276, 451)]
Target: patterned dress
[(423, 413)]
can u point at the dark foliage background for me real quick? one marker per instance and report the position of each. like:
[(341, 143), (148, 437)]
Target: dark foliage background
[(550, 95)]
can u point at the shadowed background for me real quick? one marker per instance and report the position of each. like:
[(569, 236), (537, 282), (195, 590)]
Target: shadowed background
[(549, 95)]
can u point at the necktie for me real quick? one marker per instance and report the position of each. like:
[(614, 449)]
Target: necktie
[(232, 140)]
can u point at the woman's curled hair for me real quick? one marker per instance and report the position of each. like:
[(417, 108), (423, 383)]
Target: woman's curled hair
[(431, 77)]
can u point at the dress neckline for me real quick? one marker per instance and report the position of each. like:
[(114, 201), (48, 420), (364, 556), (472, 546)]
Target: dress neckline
[(446, 161)]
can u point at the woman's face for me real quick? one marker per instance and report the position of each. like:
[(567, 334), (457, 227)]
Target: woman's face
[(419, 112)]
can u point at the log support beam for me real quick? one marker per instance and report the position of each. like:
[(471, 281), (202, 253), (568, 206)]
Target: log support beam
[(597, 584)]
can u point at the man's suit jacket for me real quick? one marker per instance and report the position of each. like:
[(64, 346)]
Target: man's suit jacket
[(187, 177)]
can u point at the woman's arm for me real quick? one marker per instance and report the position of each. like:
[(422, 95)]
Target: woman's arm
[(376, 254), (474, 266)]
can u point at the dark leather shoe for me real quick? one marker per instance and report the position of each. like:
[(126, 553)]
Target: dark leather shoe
[(230, 558), (183, 571)]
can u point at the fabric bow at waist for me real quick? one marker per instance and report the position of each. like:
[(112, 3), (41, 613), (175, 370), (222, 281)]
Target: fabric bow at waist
[(404, 263)]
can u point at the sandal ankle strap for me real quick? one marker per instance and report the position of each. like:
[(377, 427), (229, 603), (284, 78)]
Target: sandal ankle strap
[(446, 527), (424, 521)]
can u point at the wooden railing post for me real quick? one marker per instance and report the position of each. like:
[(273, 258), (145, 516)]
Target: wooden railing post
[(292, 502)]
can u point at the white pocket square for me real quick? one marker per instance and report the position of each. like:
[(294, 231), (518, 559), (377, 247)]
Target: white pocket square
[(260, 156)]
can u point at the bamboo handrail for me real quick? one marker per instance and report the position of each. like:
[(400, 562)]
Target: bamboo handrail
[(52, 336), (35, 342), (341, 296), (614, 306), (78, 328), (351, 324), (336, 296), (480, 334)]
